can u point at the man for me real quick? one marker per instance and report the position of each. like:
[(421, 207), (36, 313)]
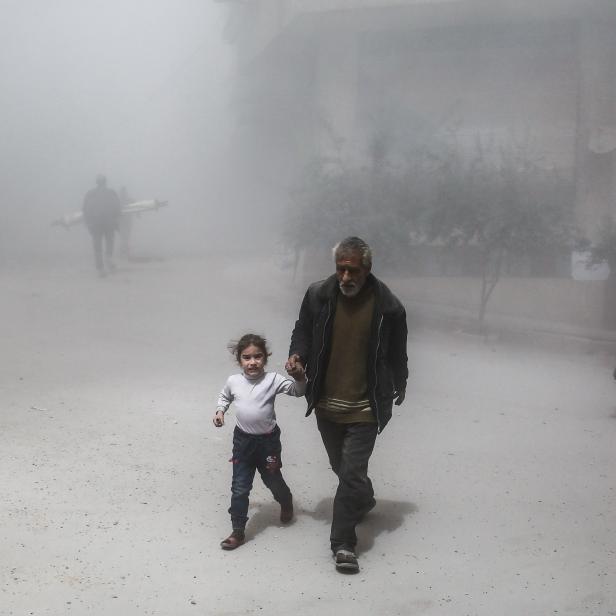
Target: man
[(101, 213), (351, 338)]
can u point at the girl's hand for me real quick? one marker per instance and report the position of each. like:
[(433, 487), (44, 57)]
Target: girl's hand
[(219, 419), (299, 373), (294, 367)]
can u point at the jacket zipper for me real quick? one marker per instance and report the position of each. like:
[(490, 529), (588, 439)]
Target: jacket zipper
[(376, 373)]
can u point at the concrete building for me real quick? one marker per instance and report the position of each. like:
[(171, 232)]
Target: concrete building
[(324, 76)]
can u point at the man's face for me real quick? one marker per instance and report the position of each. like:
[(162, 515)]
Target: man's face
[(351, 273)]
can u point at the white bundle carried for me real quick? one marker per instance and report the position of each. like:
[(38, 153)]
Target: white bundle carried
[(137, 207)]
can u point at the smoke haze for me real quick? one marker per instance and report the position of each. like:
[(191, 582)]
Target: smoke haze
[(494, 483), (136, 91)]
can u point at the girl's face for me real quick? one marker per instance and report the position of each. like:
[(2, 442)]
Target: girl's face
[(252, 361)]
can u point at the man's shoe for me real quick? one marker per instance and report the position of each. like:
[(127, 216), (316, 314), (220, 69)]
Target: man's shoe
[(346, 561), (286, 513), (234, 540)]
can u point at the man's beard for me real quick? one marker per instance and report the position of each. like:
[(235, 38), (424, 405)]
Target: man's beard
[(349, 290)]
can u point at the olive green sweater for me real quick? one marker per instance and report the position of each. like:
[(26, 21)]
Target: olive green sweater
[(345, 392)]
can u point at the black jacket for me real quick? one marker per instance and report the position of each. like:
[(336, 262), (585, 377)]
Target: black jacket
[(387, 359), (101, 208)]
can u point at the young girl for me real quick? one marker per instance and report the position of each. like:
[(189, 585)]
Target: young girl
[(256, 438)]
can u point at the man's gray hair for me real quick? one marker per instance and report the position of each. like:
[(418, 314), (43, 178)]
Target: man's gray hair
[(354, 244)]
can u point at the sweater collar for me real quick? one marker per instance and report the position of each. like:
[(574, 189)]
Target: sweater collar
[(385, 300)]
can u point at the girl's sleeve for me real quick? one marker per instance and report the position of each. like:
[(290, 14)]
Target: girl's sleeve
[(224, 398), (286, 385)]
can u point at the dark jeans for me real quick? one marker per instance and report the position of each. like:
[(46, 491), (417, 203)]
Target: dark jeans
[(98, 235), (255, 452), (349, 447)]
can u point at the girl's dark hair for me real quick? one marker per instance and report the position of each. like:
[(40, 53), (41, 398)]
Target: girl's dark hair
[(237, 348)]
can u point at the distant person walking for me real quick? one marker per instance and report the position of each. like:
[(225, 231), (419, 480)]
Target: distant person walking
[(256, 438), (351, 337), (101, 213)]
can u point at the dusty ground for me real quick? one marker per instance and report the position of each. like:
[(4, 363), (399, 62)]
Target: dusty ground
[(495, 480)]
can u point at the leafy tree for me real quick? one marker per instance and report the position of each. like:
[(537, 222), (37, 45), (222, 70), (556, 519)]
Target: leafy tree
[(504, 204), (501, 202), (333, 201)]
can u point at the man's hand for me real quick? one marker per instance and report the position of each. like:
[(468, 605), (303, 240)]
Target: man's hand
[(399, 397), (299, 373), (294, 368), (219, 419)]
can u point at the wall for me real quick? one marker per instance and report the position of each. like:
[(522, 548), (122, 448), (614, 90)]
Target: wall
[(556, 305)]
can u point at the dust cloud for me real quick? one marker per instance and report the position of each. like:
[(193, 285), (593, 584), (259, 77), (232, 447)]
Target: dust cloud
[(495, 479), (136, 91)]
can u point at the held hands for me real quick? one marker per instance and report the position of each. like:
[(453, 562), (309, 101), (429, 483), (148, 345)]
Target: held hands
[(219, 419), (399, 397), (294, 368)]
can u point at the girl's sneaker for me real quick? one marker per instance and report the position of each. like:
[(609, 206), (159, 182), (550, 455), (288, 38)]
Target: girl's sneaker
[(234, 540), (286, 512)]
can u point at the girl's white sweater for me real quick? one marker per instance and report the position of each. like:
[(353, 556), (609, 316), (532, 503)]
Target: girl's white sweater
[(253, 399)]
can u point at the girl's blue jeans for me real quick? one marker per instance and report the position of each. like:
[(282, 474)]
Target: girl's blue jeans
[(255, 452)]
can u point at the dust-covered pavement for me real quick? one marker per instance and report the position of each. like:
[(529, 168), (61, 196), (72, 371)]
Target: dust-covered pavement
[(495, 480)]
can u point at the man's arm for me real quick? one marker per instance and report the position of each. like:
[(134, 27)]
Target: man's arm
[(116, 206), (398, 356), (301, 338)]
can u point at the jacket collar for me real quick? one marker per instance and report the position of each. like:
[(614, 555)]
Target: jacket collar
[(386, 301)]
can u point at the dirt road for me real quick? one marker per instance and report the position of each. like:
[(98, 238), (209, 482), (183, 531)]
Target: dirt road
[(495, 480)]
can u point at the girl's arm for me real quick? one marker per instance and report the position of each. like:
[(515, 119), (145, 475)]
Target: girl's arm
[(225, 397), (291, 387)]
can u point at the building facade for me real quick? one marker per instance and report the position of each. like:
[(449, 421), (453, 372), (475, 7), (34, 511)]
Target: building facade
[(323, 77)]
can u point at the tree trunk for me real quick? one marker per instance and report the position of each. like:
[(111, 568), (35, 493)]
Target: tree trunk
[(491, 273), (483, 302)]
